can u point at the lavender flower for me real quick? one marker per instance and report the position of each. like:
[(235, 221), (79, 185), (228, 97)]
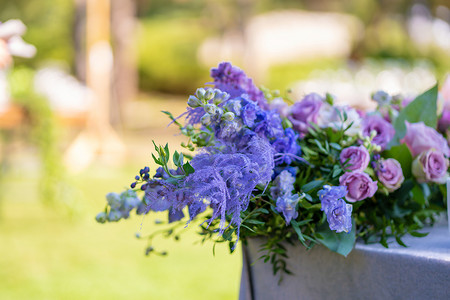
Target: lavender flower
[(384, 131), (286, 205), (358, 158), (305, 112)]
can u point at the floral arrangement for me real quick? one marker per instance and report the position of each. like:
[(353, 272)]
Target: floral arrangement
[(258, 164)]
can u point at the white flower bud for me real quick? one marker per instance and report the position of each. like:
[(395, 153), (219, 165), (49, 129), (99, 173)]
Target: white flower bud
[(194, 102), (206, 119), (200, 93), (229, 116)]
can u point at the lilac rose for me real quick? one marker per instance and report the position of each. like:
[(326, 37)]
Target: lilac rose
[(305, 111), (430, 166), (359, 185), (420, 138), (444, 121), (358, 158), (384, 130), (390, 174)]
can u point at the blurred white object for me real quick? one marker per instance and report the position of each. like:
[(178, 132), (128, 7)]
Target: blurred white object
[(11, 32), (284, 36), (354, 88), (65, 93), (4, 92), (427, 31)]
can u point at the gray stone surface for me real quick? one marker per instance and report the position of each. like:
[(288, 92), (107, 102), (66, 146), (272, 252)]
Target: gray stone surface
[(421, 271)]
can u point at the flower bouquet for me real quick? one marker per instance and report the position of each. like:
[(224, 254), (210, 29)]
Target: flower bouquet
[(260, 165)]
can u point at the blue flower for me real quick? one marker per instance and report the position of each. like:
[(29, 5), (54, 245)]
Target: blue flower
[(234, 81), (282, 185), (175, 215), (286, 204), (331, 194), (339, 213), (339, 216), (287, 147)]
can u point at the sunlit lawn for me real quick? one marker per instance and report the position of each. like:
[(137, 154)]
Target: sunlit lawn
[(50, 253)]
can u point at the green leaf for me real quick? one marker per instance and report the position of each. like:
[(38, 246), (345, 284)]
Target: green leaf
[(418, 234), (251, 221), (176, 157), (418, 195), (312, 185), (157, 161), (341, 243), (422, 109), (188, 169), (402, 154)]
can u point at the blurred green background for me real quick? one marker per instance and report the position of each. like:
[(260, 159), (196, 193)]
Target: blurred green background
[(50, 245)]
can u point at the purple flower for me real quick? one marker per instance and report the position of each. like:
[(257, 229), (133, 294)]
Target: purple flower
[(330, 194), (159, 195), (360, 186), (175, 215), (305, 111), (390, 174), (339, 216), (234, 81), (286, 205), (358, 158), (444, 121), (384, 130), (420, 138), (286, 146), (430, 166), (282, 185)]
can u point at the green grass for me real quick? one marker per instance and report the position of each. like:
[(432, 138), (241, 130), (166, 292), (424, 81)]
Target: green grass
[(48, 253)]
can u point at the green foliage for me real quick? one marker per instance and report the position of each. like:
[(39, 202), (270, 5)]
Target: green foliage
[(422, 109), (402, 154), (43, 130), (341, 243), (167, 55)]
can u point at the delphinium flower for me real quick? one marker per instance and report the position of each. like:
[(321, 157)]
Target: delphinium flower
[(235, 82), (287, 205), (282, 193), (119, 206), (338, 212), (234, 120)]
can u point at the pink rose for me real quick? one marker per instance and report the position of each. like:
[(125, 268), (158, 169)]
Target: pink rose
[(390, 174), (358, 158), (420, 138), (359, 185), (384, 130), (305, 111), (430, 166)]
